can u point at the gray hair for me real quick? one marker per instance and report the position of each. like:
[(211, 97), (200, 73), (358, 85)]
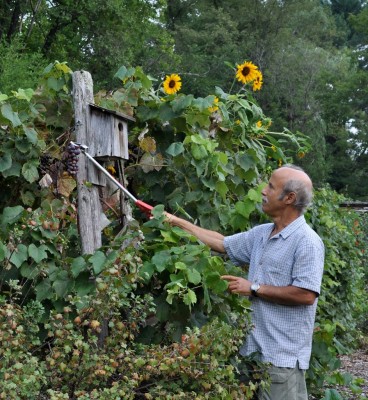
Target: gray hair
[(303, 193)]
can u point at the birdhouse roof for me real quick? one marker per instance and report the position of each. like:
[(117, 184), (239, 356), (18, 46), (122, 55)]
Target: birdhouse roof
[(112, 112)]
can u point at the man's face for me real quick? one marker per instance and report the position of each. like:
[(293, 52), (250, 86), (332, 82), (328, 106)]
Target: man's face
[(271, 203)]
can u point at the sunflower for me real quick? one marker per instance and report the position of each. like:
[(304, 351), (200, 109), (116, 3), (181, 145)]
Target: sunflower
[(214, 108), (247, 72), (172, 84), (258, 81)]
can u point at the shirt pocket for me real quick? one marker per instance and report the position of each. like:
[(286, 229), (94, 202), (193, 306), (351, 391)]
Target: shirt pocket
[(278, 276)]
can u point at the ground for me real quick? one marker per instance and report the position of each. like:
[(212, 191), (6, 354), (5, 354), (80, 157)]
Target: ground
[(357, 365)]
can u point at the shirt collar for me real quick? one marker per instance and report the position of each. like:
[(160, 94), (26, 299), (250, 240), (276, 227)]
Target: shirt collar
[(288, 230)]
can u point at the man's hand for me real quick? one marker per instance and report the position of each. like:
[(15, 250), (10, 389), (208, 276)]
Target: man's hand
[(285, 295), (238, 285)]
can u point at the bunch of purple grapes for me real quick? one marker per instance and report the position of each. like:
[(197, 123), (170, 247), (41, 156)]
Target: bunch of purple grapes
[(45, 162), (73, 152)]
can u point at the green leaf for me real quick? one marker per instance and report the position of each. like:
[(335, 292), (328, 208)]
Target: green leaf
[(43, 290), (175, 149), (194, 276), (190, 298), (98, 261), (31, 134), (83, 285), (14, 170), (124, 73), (214, 282), (29, 271), (207, 298), (23, 145), (30, 172), (147, 271), (19, 255), (180, 266), (77, 266), (24, 94), (3, 251), (166, 113), (175, 283), (204, 103), (55, 84), (37, 253), (243, 117), (181, 102), (161, 259), (221, 188), (158, 211), (198, 152), (28, 197), (62, 284), (3, 97), (146, 82), (244, 103), (11, 214), (332, 394), (169, 237), (9, 114), (244, 208), (146, 113), (194, 118), (245, 161), (48, 234), (5, 162), (175, 288), (254, 195)]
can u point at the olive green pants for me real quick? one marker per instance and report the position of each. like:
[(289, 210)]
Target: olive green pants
[(286, 384)]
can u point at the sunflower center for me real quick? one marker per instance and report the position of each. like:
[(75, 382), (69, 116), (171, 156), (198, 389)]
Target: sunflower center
[(245, 71), (172, 84)]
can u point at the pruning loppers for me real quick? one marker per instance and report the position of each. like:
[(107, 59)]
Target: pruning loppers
[(146, 208)]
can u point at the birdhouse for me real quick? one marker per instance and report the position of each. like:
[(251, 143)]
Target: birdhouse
[(108, 134)]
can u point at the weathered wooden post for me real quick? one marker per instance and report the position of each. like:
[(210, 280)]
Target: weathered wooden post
[(105, 133), (89, 205)]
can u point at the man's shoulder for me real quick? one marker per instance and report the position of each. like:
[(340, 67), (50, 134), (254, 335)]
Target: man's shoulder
[(309, 234)]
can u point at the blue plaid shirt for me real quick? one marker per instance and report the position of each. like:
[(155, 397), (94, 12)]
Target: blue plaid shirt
[(295, 256)]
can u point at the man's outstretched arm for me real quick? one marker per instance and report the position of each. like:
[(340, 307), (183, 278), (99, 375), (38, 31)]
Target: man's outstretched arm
[(211, 238)]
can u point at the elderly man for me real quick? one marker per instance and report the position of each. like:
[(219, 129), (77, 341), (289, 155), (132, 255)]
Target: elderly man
[(286, 259)]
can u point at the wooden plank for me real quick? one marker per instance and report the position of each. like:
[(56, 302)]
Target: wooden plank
[(100, 134)]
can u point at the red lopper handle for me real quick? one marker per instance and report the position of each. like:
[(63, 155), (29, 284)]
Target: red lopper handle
[(146, 208)]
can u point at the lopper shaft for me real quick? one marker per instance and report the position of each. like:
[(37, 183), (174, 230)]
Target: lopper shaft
[(139, 203)]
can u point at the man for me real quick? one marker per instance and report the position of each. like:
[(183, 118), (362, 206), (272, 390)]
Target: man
[(286, 261)]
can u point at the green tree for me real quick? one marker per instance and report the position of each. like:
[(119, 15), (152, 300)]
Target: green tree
[(95, 36)]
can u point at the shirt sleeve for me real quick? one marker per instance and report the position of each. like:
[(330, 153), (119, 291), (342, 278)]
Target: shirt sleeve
[(308, 264), (239, 246)]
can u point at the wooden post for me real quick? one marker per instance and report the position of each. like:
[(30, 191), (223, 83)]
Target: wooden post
[(89, 206)]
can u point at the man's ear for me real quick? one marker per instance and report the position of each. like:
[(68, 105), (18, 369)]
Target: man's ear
[(290, 198)]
